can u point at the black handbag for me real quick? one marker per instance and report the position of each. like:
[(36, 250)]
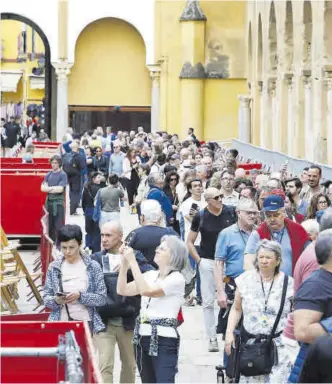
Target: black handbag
[(259, 358)]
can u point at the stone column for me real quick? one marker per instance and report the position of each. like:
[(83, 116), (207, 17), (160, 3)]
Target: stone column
[(291, 138), (262, 99), (62, 70), (155, 77), (271, 117), (309, 143), (244, 118), (329, 118)]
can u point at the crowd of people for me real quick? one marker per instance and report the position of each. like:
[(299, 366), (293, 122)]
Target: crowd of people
[(259, 245)]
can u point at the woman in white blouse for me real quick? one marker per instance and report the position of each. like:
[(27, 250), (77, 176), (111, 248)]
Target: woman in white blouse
[(156, 338), (130, 176)]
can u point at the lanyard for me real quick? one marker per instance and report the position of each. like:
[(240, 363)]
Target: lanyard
[(282, 235), (242, 237), (266, 299)]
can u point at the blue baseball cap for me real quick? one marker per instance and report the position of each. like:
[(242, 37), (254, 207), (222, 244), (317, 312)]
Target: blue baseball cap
[(273, 203)]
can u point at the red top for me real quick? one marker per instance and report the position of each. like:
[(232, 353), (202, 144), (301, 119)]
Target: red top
[(297, 235)]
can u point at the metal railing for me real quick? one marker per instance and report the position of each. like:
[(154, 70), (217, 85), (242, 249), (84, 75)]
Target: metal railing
[(275, 160)]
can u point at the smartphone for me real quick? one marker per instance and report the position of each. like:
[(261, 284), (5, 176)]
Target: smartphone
[(194, 206), (62, 294)]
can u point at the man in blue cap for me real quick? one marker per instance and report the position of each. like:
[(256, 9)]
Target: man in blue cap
[(291, 236)]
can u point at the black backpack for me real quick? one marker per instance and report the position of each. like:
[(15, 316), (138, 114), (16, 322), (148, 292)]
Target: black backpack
[(69, 165)]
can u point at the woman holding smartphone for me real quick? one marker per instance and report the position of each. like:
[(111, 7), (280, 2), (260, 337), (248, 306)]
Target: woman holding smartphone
[(156, 339), (74, 284)]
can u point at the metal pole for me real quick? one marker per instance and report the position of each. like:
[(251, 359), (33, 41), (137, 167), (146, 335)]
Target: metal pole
[(29, 352)]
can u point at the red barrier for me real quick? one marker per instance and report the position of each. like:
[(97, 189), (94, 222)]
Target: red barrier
[(39, 334), (49, 144), (249, 167), (32, 166), (18, 160), (21, 203)]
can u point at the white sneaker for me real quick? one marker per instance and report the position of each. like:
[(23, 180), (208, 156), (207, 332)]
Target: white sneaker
[(213, 345)]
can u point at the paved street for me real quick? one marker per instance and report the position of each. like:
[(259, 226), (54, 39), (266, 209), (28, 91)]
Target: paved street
[(196, 365)]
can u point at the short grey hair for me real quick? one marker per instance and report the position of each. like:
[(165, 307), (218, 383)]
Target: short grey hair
[(179, 252), (115, 224), (272, 246), (326, 220), (311, 226), (152, 179), (246, 205), (151, 210)]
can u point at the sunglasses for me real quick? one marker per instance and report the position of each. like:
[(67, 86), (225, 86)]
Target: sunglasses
[(174, 179), (219, 197)]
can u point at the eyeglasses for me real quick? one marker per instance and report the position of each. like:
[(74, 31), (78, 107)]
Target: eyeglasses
[(98, 150), (219, 197), (251, 213), (174, 179), (227, 179), (323, 202)]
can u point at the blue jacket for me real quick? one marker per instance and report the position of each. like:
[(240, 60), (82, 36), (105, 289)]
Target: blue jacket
[(156, 193), (96, 295), (296, 371)]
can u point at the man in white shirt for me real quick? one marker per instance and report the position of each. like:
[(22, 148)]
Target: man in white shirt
[(187, 211)]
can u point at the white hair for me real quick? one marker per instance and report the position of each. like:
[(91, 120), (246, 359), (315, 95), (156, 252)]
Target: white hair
[(151, 210), (246, 205), (311, 226)]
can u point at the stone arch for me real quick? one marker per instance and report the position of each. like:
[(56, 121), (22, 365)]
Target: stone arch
[(130, 11), (289, 33), (48, 66), (272, 40), (327, 30), (123, 50), (307, 42), (260, 48), (250, 56)]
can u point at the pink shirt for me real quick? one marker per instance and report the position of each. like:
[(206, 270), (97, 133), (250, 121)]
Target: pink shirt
[(306, 264)]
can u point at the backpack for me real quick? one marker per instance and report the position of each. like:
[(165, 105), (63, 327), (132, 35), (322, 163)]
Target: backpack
[(68, 164)]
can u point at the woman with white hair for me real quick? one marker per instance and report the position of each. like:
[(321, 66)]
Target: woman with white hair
[(311, 226), (263, 298), (156, 338)]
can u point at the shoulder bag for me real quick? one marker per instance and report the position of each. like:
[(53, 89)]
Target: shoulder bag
[(259, 358)]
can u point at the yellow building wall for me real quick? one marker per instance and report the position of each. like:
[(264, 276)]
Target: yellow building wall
[(221, 108), (10, 29), (110, 66), (224, 36)]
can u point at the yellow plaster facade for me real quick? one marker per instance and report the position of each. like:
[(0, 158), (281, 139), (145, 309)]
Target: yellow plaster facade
[(110, 66), (195, 51), (9, 32)]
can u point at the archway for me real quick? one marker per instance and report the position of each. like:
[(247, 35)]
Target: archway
[(110, 56), (273, 47), (48, 66), (289, 44), (307, 42)]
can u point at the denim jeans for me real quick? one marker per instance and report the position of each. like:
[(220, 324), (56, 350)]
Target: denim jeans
[(198, 278), (208, 287), (161, 368)]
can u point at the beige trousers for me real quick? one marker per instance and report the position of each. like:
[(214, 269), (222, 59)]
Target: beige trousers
[(105, 343)]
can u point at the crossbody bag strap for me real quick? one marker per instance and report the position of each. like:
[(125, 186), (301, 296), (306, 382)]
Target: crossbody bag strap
[(282, 304), (61, 290)]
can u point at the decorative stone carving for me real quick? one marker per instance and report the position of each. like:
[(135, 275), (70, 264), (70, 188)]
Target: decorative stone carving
[(272, 83), (192, 12), (260, 86), (192, 72), (288, 77), (62, 70)]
